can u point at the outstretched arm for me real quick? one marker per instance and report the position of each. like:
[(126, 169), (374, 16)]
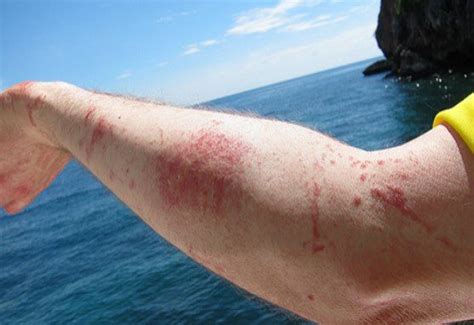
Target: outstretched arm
[(331, 232)]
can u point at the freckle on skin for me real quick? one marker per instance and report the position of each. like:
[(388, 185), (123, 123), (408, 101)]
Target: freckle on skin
[(333, 162), (380, 162), (131, 184), (311, 297)]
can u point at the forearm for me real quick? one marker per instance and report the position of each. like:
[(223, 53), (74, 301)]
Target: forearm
[(257, 201)]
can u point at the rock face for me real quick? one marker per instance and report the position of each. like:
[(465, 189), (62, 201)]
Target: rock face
[(420, 37), (377, 67)]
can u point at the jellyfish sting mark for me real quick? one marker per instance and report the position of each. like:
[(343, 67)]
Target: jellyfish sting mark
[(101, 129), (204, 173), (395, 197), (314, 196), (357, 201)]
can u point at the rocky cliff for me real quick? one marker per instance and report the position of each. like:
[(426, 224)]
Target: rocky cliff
[(420, 37)]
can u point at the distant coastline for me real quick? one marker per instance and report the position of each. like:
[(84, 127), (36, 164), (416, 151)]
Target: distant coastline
[(338, 69)]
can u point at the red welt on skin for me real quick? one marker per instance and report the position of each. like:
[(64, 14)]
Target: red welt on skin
[(23, 86), (318, 166), (37, 103), (203, 174), (394, 197), (3, 178), (100, 130), (357, 201), (363, 177), (355, 163), (89, 113), (447, 242), (22, 191), (403, 176), (315, 194)]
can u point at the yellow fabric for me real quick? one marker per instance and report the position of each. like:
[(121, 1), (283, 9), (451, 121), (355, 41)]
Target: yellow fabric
[(461, 118)]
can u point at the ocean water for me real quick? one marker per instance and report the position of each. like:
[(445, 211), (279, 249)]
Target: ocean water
[(78, 255)]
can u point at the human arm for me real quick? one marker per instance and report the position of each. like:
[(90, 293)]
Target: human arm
[(278, 209)]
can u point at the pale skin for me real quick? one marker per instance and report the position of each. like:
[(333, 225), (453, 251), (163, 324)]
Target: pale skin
[(333, 233)]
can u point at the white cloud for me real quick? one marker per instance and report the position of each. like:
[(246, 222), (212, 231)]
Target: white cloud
[(164, 19), (191, 49), (197, 47), (162, 64), (124, 75), (314, 23), (270, 65), (261, 20), (171, 17), (209, 42)]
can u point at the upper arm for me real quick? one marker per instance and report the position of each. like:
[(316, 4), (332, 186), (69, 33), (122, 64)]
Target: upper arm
[(381, 236), (421, 261)]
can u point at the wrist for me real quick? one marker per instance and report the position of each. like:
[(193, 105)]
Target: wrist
[(49, 105)]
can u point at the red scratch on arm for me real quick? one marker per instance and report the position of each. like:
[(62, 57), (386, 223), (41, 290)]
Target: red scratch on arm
[(395, 197), (101, 129), (89, 113), (447, 243), (315, 194)]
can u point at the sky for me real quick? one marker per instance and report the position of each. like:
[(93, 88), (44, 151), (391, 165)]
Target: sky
[(184, 52)]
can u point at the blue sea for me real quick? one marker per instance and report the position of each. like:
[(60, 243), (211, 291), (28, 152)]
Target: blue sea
[(78, 255)]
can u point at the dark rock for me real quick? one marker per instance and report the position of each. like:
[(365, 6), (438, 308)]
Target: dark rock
[(377, 67), (420, 37)]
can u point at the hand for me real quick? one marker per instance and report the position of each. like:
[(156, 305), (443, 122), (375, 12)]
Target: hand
[(29, 161)]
